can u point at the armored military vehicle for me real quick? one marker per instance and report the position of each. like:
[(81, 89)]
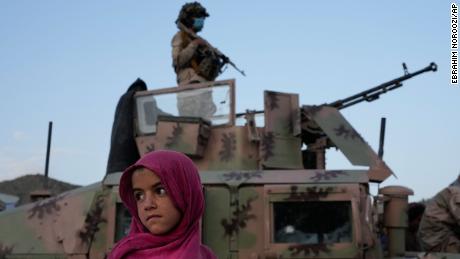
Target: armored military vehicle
[(268, 193)]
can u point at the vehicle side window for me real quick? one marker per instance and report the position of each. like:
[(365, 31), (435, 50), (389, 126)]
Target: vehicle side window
[(123, 220)]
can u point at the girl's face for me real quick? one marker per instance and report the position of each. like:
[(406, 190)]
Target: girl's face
[(154, 206)]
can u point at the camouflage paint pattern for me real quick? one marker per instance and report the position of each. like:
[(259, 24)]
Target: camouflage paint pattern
[(281, 142), (65, 224), (438, 230), (184, 134), (348, 140), (259, 198)]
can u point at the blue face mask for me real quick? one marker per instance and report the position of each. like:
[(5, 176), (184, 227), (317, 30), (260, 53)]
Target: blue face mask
[(198, 23)]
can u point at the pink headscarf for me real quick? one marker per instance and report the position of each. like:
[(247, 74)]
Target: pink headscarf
[(180, 178)]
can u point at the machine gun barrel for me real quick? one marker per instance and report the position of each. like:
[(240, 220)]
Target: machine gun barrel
[(375, 92)]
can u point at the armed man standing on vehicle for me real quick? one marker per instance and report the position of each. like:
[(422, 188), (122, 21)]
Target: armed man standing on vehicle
[(194, 60)]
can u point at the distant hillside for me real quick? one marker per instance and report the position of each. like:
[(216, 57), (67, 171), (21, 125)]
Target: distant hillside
[(22, 186)]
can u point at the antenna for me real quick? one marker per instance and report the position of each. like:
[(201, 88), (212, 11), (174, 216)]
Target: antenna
[(48, 147), (382, 136), (45, 193)]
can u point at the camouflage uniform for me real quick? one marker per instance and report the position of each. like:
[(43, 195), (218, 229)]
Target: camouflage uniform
[(440, 226), (186, 63), (193, 62), (184, 52)]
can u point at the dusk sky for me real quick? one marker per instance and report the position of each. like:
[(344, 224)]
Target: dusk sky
[(70, 61)]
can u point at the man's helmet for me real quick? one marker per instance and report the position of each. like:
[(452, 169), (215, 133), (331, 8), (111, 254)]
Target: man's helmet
[(190, 11)]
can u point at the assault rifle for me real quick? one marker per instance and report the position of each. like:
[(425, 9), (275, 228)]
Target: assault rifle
[(226, 59), (373, 93)]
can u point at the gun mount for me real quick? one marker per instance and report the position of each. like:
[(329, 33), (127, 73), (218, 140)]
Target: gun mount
[(315, 138)]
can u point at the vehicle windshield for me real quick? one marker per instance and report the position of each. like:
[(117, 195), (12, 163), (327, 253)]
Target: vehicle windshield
[(213, 103), (312, 222)]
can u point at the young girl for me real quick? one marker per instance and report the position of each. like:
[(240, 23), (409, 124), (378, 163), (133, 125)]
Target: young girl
[(163, 193)]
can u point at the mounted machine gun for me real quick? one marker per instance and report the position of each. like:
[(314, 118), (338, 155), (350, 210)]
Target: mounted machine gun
[(314, 137)]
